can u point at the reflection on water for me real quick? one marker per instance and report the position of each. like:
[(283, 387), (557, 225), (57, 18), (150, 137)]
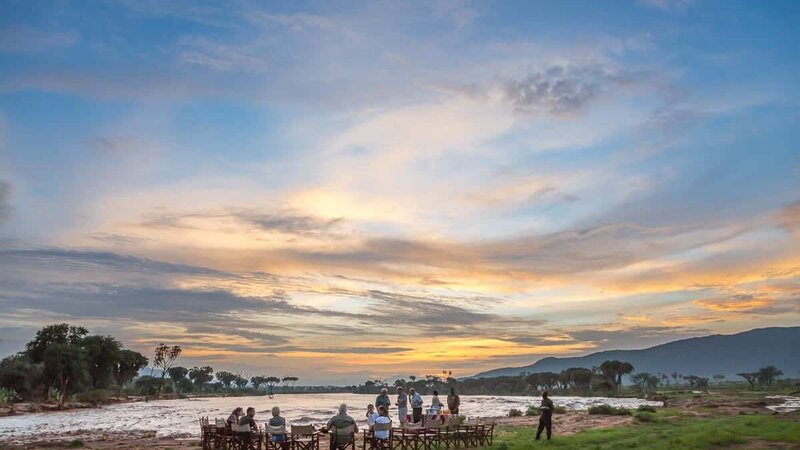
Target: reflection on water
[(789, 403), (180, 417)]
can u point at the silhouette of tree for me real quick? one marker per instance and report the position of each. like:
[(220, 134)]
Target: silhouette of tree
[(766, 375)]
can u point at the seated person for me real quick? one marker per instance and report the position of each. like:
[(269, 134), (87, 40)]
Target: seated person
[(382, 418), (340, 422), (371, 415), (277, 421), (234, 417), (249, 419)]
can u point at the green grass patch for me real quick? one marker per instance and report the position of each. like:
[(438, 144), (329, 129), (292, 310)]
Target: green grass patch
[(658, 433), (606, 410), (75, 443)]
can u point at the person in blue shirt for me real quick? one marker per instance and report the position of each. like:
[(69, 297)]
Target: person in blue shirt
[(416, 405)]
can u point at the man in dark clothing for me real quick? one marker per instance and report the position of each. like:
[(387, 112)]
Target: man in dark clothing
[(383, 400), (453, 401), (546, 419), (249, 419)]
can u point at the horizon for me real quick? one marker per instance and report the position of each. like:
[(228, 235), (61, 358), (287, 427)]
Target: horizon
[(351, 191)]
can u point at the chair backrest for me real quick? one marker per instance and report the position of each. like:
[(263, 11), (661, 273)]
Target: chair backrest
[(236, 428), (203, 422), (344, 434), (219, 422), (413, 425), (383, 426), (302, 430), (280, 429)]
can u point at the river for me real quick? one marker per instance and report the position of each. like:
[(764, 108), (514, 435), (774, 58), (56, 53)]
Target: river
[(180, 417)]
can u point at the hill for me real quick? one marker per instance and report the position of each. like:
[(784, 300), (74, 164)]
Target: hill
[(703, 356)]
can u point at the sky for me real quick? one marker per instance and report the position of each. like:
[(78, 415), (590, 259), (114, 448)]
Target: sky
[(343, 191)]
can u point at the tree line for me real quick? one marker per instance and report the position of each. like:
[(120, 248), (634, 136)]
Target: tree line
[(64, 361)]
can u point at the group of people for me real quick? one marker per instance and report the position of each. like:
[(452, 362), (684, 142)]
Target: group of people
[(379, 414), (414, 399)]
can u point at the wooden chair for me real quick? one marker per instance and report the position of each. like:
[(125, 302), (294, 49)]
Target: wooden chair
[(486, 434), (244, 438), (304, 437), (207, 434), (283, 443), (376, 443), (343, 438)]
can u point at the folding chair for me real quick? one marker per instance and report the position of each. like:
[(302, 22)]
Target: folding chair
[(244, 438), (381, 443), (283, 441), (343, 438), (304, 437)]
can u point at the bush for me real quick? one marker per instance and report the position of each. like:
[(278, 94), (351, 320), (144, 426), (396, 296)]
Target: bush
[(7, 396), (514, 413), (606, 410), (646, 408), (559, 410), (76, 443), (644, 417), (95, 397), (533, 411)]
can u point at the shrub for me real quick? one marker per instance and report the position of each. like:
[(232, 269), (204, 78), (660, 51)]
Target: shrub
[(606, 410), (7, 396), (514, 413), (76, 443), (559, 410), (646, 408), (95, 397), (644, 417), (533, 411)]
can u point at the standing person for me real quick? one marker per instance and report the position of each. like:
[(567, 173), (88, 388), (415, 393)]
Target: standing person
[(371, 415), (383, 399), (402, 405), (546, 419), (416, 405), (453, 401), (436, 404)]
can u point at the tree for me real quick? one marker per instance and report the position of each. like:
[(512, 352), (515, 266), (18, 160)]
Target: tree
[(66, 363), (165, 357), (257, 381), (102, 354), (62, 333), (17, 372), (240, 382), (645, 380), (270, 383), (751, 378), (614, 370), (226, 378), (719, 378), (696, 381), (766, 375), (128, 365), (177, 373), (201, 375), (579, 377), (413, 378), (290, 381)]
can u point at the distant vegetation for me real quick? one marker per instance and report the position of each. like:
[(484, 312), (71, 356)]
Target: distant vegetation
[(64, 362)]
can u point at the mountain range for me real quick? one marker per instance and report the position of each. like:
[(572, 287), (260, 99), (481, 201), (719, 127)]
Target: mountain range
[(702, 356)]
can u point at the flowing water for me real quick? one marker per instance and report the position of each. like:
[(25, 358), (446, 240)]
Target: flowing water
[(789, 403), (179, 418)]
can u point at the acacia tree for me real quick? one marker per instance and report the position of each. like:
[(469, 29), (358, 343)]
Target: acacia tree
[(751, 378), (270, 382), (62, 333), (201, 375), (226, 378), (240, 382), (289, 381), (766, 375), (257, 381)]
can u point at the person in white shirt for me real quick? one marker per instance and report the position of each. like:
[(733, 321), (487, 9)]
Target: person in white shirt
[(371, 415), (383, 417), (436, 405)]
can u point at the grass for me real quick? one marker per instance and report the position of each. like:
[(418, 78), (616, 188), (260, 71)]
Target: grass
[(664, 430), (75, 443), (606, 410)]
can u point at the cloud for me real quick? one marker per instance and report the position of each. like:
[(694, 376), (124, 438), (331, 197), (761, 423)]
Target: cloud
[(223, 57), (459, 11), (751, 304), (22, 39), (561, 90)]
